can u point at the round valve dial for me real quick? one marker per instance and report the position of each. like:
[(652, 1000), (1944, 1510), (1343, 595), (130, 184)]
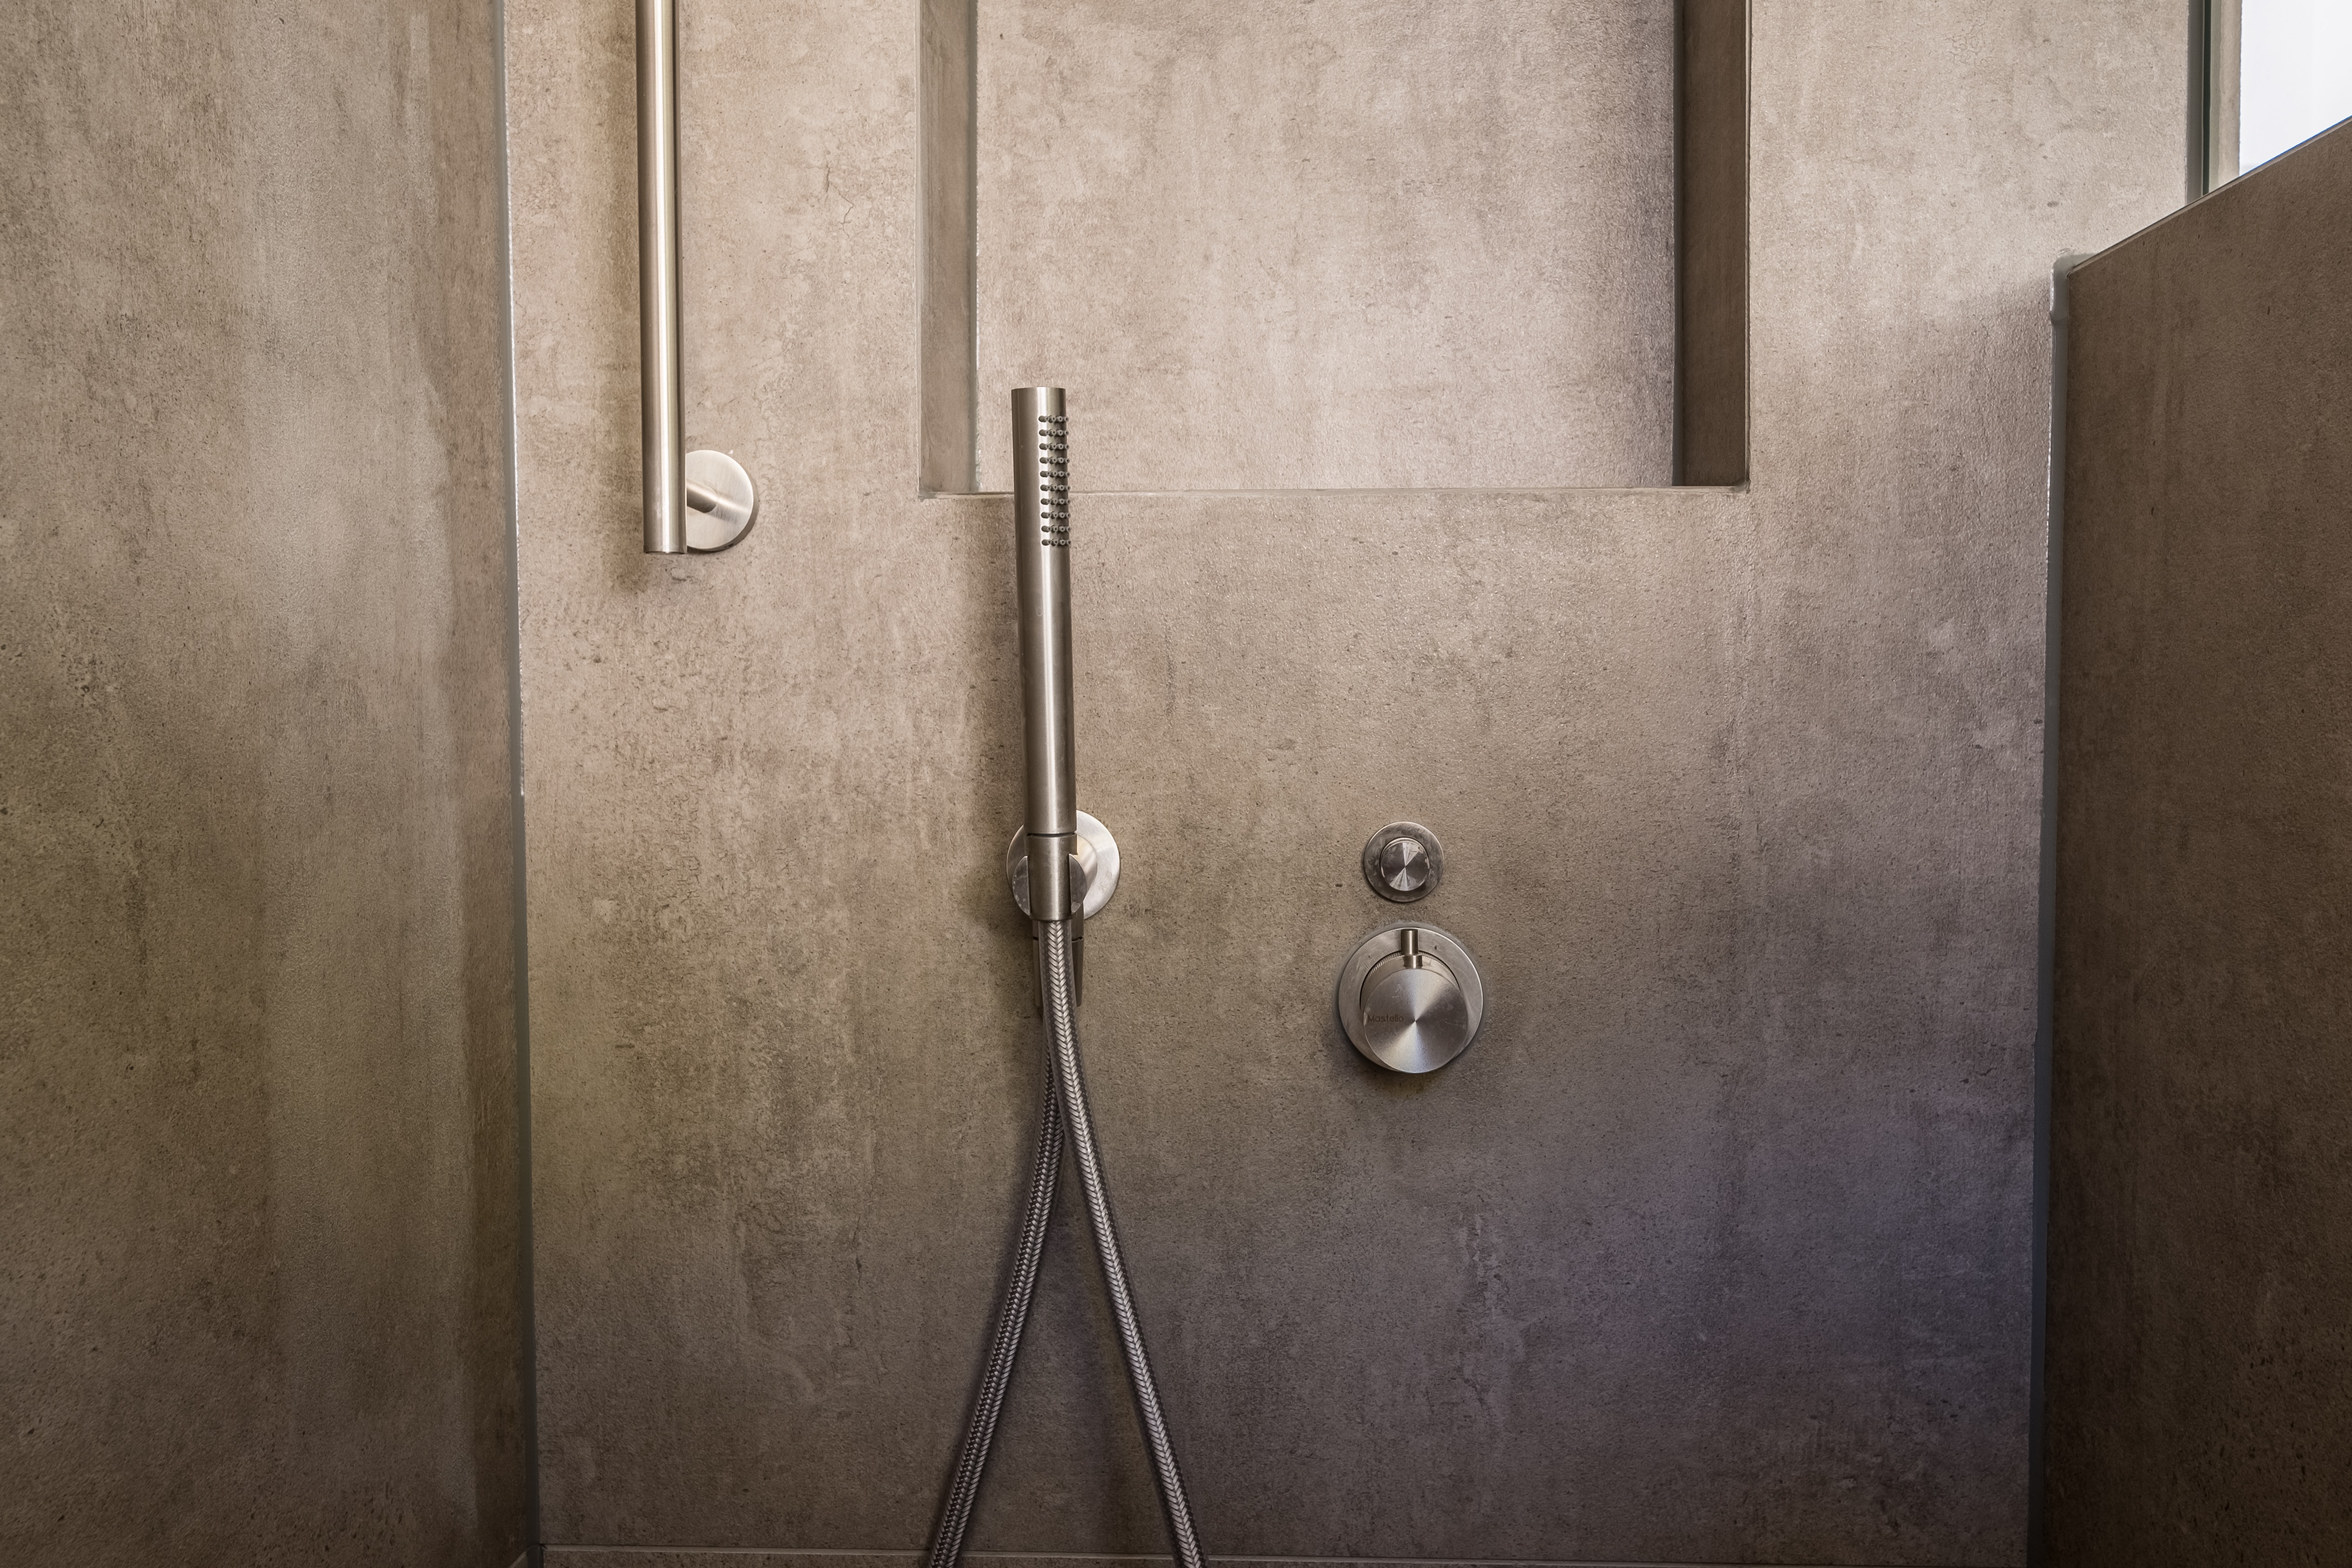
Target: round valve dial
[(1411, 998)]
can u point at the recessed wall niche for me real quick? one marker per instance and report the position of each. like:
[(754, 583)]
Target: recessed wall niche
[(1338, 244)]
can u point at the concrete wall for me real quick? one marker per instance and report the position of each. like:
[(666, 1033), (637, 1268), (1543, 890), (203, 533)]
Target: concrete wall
[(259, 1218), (1715, 1247), (1330, 244), (2200, 1355)]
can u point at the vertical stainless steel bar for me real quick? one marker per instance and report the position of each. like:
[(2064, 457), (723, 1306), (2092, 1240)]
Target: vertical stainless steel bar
[(665, 435)]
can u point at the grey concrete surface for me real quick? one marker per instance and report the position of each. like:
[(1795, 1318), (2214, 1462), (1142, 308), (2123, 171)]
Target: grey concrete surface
[(1715, 1249), (1331, 244), (2201, 1353), (258, 1216)]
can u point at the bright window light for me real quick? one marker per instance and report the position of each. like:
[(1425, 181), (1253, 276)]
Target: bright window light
[(2294, 73)]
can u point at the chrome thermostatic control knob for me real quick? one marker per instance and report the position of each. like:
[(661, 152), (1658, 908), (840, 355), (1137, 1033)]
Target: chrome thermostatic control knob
[(1411, 998), (1402, 862)]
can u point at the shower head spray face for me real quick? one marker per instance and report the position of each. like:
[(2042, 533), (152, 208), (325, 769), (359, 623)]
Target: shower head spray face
[(1040, 545)]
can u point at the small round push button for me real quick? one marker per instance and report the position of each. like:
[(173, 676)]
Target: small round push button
[(1404, 866), (1402, 862)]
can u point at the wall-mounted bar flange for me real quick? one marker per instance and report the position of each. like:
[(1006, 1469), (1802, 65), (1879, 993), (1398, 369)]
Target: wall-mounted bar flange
[(721, 499)]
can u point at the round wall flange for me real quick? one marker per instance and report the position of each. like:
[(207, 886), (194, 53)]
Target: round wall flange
[(721, 502), (1098, 858), (1402, 862)]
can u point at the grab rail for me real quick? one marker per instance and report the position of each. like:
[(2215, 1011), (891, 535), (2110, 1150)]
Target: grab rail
[(702, 501)]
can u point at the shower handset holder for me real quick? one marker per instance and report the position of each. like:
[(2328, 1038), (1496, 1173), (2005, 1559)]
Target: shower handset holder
[(701, 501), (1053, 832)]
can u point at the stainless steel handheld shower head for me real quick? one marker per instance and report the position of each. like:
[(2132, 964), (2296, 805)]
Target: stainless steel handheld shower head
[(1057, 894), (1040, 545)]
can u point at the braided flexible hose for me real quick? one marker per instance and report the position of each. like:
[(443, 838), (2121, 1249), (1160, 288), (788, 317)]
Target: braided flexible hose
[(1012, 1319), (1062, 1035), (1065, 1114)]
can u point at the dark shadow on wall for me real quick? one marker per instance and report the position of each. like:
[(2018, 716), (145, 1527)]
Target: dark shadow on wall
[(1711, 243)]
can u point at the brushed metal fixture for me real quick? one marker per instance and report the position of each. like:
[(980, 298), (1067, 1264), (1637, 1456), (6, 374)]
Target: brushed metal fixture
[(1096, 877), (1063, 866), (1403, 861), (673, 474), (1050, 845), (1410, 999), (721, 501), (1041, 552)]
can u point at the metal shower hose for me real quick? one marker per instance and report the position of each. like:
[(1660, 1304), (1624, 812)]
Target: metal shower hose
[(1066, 1115)]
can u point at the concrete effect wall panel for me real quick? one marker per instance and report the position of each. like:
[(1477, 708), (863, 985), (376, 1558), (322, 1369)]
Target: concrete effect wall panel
[(1714, 1248), (2200, 1357), (1331, 244), (258, 1214)]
